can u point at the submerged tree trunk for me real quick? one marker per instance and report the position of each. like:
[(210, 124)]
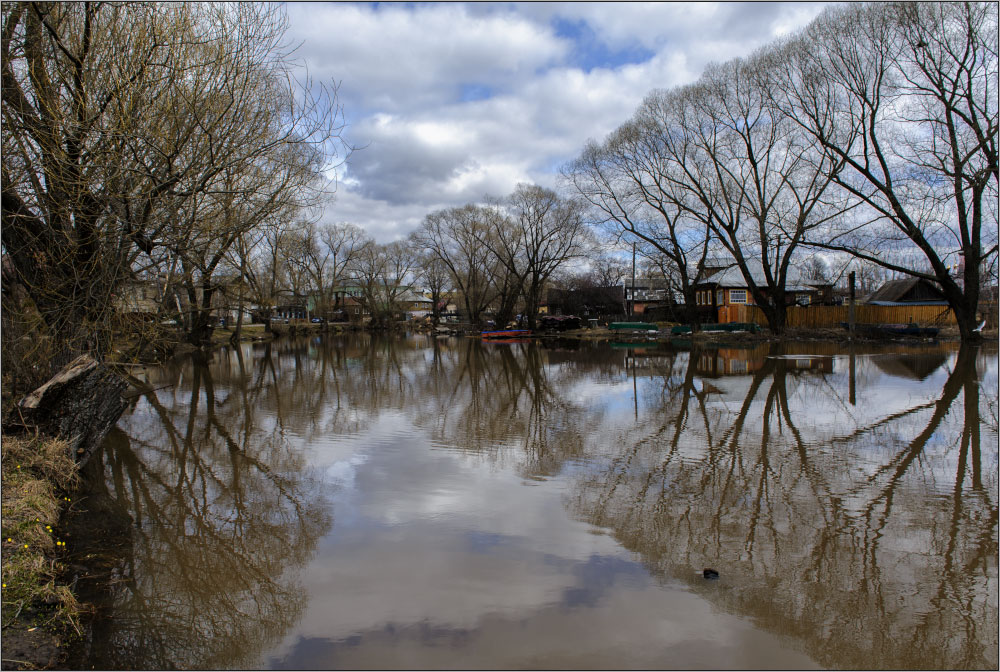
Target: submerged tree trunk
[(81, 404)]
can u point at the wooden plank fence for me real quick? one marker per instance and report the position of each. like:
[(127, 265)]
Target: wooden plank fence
[(832, 316)]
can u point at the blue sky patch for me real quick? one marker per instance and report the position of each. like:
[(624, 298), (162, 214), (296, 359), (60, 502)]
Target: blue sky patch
[(471, 92), (590, 52)]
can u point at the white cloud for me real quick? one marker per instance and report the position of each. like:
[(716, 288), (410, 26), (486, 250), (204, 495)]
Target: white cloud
[(429, 141), (398, 58)]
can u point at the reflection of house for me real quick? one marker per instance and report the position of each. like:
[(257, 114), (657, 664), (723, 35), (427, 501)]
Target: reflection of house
[(730, 361), (907, 292), (726, 288), (742, 361), (911, 366)]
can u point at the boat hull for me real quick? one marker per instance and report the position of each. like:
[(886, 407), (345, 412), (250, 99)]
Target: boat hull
[(506, 333)]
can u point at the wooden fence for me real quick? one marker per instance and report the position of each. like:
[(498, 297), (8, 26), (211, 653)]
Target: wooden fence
[(832, 316)]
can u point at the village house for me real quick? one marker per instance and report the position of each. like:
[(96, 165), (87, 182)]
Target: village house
[(722, 291), (414, 304), (586, 302), (645, 293)]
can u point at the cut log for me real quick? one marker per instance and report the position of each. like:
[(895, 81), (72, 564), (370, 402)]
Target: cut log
[(81, 404)]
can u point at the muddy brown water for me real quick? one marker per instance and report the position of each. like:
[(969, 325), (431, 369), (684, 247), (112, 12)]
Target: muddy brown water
[(417, 502)]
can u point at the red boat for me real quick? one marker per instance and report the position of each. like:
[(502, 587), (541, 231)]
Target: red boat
[(507, 333)]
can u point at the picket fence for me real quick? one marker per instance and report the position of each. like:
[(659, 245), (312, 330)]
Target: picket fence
[(832, 316)]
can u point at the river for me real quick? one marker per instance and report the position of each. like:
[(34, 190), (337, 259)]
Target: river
[(363, 501)]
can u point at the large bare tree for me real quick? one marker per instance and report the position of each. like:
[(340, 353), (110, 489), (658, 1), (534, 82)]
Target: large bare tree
[(626, 181), (383, 272), (905, 96), (756, 178)]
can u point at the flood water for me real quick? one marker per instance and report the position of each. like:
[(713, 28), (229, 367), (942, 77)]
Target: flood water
[(360, 501)]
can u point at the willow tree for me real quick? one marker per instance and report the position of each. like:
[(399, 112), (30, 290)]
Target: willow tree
[(120, 122), (905, 96), (627, 182), (534, 233), (454, 236)]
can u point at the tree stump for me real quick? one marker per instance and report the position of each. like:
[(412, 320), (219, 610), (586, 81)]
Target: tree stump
[(81, 404)]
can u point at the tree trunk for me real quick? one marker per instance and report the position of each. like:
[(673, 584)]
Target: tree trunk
[(691, 307), (81, 404)]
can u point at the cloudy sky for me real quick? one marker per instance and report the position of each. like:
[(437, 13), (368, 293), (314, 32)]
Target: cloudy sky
[(453, 102)]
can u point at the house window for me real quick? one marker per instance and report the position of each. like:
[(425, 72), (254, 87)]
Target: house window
[(802, 299), (718, 297), (737, 296)]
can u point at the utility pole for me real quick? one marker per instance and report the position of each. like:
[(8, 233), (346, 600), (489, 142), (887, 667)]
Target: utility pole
[(850, 305), (631, 311)]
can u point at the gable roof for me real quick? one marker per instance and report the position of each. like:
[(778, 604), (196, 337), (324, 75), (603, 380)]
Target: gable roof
[(911, 291), (411, 295), (733, 277)]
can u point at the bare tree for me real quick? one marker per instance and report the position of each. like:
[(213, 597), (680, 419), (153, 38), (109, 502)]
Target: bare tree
[(342, 242), (761, 182), (261, 254), (454, 235), (433, 273), (383, 273), (126, 124), (539, 233), (625, 179), (905, 96)]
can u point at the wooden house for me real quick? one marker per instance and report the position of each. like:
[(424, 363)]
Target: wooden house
[(718, 292)]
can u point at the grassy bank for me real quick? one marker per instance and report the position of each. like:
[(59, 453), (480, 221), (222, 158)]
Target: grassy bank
[(38, 612)]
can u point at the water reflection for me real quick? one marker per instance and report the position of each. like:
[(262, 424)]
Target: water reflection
[(867, 533), (545, 504), (222, 512)]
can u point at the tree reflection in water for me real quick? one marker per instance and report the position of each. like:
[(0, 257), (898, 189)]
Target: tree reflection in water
[(874, 543), (851, 514), (223, 512)]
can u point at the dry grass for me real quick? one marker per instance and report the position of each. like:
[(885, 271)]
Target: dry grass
[(36, 473)]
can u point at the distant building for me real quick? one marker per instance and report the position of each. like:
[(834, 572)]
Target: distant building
[(646, 293), (587, 302), (414, 304)]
